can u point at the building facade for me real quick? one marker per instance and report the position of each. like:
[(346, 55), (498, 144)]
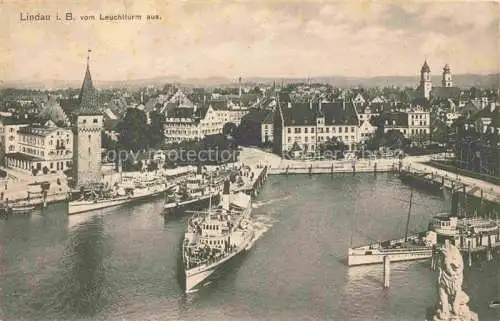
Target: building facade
[(308, 125), (42, 149), (9, 135), (194, 123), (267, 129), (413, 123)]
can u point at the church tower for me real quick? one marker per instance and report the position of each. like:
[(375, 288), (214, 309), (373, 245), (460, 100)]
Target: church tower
[(447, 82), (87, 139), (425, 81)]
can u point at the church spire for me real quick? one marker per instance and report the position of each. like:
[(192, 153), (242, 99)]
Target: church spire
[(88, 94)]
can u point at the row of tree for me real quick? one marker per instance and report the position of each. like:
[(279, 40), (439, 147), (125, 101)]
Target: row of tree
[(134, 132)]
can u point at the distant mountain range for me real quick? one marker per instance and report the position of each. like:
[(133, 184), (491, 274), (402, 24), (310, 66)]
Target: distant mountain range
[(463, 80)]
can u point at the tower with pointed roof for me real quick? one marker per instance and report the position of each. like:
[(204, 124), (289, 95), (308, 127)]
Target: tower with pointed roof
[(88, 126), (447, 82), (425, 81)]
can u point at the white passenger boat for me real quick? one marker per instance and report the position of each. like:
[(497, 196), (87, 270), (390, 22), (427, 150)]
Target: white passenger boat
[(468, 234), (216, 236), (409, 248), (195, 193), (141, 191)]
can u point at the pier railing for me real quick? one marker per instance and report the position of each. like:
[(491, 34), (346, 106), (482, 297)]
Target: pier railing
[(452, 181), (339, 167)]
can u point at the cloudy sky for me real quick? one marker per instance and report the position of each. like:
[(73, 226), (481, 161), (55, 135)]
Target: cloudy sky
[(280, 38)]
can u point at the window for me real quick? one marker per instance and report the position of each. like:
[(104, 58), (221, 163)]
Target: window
[(327, 129), (352, 129), (305, 130), (51, 165), (84, 121), (90, 136), (289, 130), (312, 130), (95, 121), (340, 129)]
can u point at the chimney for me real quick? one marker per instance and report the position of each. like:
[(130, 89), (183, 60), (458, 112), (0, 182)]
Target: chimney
[(289, 104), (311, 104), (343, 104), (492, 106), (239, 84), (225, 196), (319, 108)]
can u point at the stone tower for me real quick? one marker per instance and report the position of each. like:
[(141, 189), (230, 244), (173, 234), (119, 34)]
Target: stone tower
[(88, 126), (425, 81), (447, 82)]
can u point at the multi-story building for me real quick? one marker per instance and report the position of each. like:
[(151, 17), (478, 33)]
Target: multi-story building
[(9, 134), (412, 123), (366, 130), (267, 128), (368, 112), (187, 124), (419, 122), (307, 125), (42, 149)]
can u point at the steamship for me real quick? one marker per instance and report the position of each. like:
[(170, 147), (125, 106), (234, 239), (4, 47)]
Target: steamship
[(216, 236)]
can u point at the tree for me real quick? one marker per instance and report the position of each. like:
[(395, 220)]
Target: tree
[(394, 139), (107, 142), (334, 147), (439, 131), (134, 130), (156, 133), (229, 129)]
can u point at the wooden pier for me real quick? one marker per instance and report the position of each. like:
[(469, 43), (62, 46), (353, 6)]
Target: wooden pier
[(435, 182), (258, 176), (337, 167)]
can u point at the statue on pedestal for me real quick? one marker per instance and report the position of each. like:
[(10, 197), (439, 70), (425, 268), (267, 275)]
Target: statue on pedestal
[(452, 299)]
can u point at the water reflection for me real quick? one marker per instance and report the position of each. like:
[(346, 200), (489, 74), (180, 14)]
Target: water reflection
[(81, 286)]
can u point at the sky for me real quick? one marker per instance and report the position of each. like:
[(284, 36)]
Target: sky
[(260, 38)]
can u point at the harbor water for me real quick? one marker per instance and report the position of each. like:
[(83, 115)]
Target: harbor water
[(123, 263)]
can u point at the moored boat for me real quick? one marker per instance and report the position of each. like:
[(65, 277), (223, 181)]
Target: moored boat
[(216, 236), (397, 250), (409, 248), (468, 234), (195, 193), (141, 191), (21, 209)]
